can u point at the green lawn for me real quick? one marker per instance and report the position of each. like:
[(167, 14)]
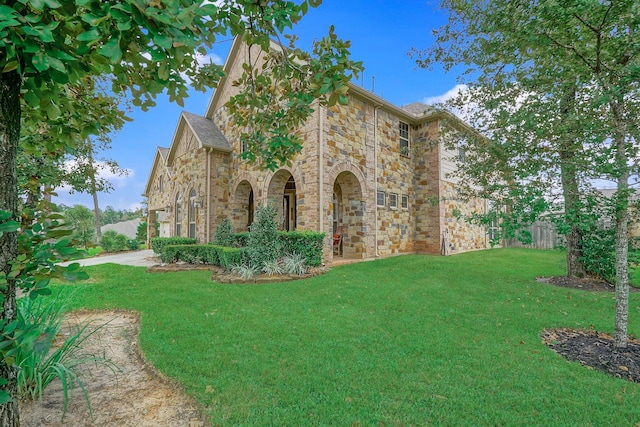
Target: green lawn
[(411, 340)]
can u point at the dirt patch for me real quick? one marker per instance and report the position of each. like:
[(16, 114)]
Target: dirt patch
[(136, 395)]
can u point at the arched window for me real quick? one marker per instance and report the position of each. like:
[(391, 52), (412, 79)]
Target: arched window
[(178, 217), (193, 209)]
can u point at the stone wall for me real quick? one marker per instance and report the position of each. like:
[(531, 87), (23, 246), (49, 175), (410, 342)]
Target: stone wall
[(463, 236)]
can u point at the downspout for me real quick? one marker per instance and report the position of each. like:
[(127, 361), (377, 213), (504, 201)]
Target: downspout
[(321, 170), (208, 219), (375, 175)]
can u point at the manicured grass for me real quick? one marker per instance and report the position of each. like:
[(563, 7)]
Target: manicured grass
[(411, 340)]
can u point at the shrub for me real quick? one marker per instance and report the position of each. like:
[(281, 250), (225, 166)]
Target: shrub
[(120, 243), (272, 268), (191, 254), (141, 231), (241, 239), (264, 243), (225, 234), (234, 256), (133, 245), (108, 241), (294, 264), (245, 271), (158, 243), (309, 244)]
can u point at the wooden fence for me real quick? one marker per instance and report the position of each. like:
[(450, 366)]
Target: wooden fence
[(544, 236)]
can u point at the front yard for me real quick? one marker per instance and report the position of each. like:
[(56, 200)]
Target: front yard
[(411, 340)]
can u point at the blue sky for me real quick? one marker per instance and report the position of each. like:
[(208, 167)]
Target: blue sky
[(381, 34)]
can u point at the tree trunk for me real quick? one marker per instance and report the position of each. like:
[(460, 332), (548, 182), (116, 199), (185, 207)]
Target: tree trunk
[(96, 213), (575, 266), (622, 233), (10, 84), (94, 193), (571, 193)]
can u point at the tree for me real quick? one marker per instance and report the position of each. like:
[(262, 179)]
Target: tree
[(147, 48), (558, 83), (74, 166), (82, 222)]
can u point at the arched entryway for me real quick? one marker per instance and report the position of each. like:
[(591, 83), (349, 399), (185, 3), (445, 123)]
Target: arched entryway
[(282, 193), (348, 216), (243, 207)]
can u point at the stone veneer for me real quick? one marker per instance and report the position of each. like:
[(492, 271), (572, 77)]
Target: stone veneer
[(352, 148)]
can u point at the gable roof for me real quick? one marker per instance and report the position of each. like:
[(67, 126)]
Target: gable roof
[(414, 113), (159, 159), (206, 132)]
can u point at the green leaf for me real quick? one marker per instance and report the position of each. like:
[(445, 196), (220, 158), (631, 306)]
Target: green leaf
[(53, 112), (40, 61), (53, 4), (7, 13), (112, 50), (9, 226), (89, 36), (37, 4), (163, 41), (31, 98)]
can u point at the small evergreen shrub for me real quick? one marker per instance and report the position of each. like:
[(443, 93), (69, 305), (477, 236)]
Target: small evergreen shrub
[(141, 231), (133, 245), (158, 243), (264, 243), (225, 234), (114, 242)]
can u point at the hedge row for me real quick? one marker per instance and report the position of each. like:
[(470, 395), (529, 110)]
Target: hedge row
[(306, 243), (204, 254), (172, 249), (158, 243)]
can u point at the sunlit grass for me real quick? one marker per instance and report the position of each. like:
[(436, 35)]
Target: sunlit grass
[(411, 340)]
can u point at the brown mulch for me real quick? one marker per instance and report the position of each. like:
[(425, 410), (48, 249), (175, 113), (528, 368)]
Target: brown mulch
[(590, 348), (596, 351)]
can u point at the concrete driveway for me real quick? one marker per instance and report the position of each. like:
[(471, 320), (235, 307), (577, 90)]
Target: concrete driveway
[(144, 258)]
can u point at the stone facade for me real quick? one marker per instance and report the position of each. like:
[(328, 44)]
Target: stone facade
[(369, 171)]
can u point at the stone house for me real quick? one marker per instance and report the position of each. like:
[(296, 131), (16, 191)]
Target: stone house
[(369, 172)]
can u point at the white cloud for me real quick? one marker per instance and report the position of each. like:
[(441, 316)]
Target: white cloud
[(450, 94), (104, 173)]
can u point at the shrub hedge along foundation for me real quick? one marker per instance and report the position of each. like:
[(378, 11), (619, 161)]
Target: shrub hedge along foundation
[(173, 249)]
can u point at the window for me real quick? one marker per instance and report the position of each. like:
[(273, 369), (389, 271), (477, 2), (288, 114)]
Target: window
[(461, 153), (244, 147), (405, 201), (382, 199), (393, 201), (193, 209), (161, 183), (403, 129), (178, 218)]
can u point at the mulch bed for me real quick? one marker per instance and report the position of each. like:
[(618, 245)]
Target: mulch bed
[(593, 349), (596, 351)]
